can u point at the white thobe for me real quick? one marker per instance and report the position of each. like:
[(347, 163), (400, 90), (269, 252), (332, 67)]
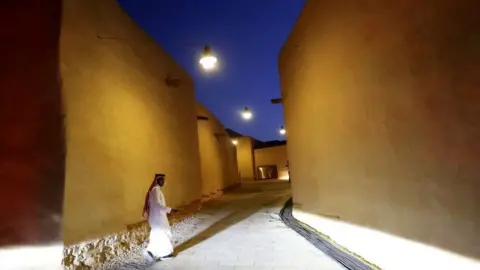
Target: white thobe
[(160, 235)]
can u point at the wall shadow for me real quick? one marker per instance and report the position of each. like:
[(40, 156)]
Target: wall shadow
[(217, 227), (242, 213)]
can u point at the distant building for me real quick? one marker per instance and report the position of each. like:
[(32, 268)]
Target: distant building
[(260, 160)]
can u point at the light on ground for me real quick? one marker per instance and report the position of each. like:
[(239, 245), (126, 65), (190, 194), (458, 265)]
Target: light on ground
[(39, 257), (247, 114), (282, 130), (208, 60), (376, 245)]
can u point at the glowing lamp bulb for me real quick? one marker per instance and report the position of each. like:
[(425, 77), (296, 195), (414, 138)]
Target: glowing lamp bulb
[(247, 114), (282, 130), (234, 142), (208, 61)]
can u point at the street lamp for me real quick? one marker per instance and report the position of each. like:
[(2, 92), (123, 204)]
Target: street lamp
[(247, 114), (282, 131), (208, 60)]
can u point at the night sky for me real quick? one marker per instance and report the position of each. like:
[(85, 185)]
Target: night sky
[(245, 35)]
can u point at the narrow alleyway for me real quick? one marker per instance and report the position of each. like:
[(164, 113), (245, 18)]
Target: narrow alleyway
[(242, 230)]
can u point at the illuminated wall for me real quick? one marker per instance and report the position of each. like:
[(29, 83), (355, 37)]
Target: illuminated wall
[(276, 155), (124, 122), (218, 156), (382, 108), (245, 158)]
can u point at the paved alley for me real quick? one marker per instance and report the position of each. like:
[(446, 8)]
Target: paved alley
[(250, 235)]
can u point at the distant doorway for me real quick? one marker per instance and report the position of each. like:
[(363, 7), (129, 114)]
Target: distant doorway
[(267, 172)]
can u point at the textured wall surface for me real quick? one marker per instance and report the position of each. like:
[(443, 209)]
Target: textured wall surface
[(31, 134), (218, 156), (382, 108), (276, 155), (246, 158), (124, 123)]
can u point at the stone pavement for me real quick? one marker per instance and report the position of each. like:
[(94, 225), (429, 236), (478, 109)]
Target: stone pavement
[(249, 236)]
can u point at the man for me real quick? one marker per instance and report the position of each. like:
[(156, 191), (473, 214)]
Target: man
[(155, 210)]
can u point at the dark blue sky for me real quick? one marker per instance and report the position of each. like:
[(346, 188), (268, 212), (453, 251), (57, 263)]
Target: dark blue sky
[(246, 36)]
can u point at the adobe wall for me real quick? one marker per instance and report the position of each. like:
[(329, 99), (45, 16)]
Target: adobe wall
[(218, 156), (31, 135), (382, 108), (245, 158), (124, 121)]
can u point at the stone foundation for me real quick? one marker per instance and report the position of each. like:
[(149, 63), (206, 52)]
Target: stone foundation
[(87, 254)]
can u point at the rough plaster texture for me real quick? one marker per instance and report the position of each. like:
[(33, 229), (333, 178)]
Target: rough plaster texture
[(31, 132), (124, 122), (276, 155), (245, 159), (218, 156), (382, 104)]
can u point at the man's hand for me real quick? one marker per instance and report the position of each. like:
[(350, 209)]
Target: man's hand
[(145, 216)]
